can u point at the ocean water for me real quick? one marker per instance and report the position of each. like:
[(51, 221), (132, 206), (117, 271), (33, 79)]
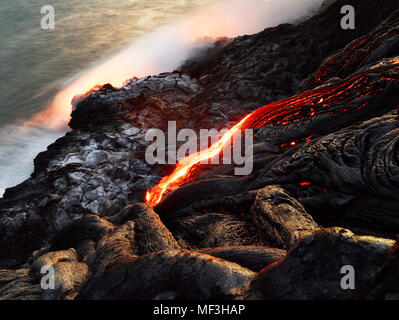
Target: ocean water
[(97, 42)]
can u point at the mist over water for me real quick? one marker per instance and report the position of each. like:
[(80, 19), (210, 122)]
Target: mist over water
[(35, 64), (45, 69)]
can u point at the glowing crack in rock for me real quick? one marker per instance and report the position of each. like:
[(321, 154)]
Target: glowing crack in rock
[(282, 112), (183, 166)]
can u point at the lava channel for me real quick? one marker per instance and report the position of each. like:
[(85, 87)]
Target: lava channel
[(281, 112)]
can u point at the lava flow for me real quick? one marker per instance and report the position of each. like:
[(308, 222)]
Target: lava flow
[(179, 175), (154, 196), (282, 112)]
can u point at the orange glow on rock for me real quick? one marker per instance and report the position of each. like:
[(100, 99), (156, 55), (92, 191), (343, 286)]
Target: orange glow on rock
[(58, 113), (178, 176)]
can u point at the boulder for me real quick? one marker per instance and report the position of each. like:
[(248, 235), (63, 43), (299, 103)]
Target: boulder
[(191, 275), (317, 267), (151, 235), (52, 258), (69, 276), (277, 215), (253, 258)]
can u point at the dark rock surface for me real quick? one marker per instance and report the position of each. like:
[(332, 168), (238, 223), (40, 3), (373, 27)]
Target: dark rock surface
[(18, 285), (380, 43), (90, 227), (69, 277), (213, 229), (325, 160), (191, 275), (150, 233), (386, 282), (276, 215), (254, 258), (312, 269), (51, 259)]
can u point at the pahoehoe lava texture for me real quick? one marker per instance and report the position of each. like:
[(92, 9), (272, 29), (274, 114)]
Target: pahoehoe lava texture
[(323, 193)]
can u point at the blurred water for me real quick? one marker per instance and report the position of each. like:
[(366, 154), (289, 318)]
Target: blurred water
[(35, 64)]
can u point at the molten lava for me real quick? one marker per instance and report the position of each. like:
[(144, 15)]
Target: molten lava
[(178, 176), (282, 112)]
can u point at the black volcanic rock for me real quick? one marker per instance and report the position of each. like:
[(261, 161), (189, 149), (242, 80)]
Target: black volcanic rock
[(325, 155), (337, 168), (18, 285), (69, 278), (312, 269), (380, 43), (214, 229), (271, 65), (99, 167), (150, 233), (117, 244), (190, 275), (254, 258), (90, 227), (276, 215), (386, 282), (51, 259)]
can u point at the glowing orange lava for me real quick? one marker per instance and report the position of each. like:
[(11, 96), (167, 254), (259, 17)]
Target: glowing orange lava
[(154, 196), (281, 112)]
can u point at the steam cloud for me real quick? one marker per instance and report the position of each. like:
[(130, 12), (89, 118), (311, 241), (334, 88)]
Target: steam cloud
[(159, 51)]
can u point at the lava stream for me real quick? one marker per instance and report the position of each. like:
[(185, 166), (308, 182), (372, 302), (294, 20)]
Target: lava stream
[(280, 112), (154, 196)]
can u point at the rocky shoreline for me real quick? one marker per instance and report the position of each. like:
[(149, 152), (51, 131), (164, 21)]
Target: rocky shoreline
[(283, 232)]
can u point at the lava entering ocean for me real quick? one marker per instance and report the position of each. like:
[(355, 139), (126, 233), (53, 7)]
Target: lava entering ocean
[(283, 112)]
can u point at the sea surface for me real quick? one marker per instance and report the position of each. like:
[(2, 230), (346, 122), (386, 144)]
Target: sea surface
[(35, 64)]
